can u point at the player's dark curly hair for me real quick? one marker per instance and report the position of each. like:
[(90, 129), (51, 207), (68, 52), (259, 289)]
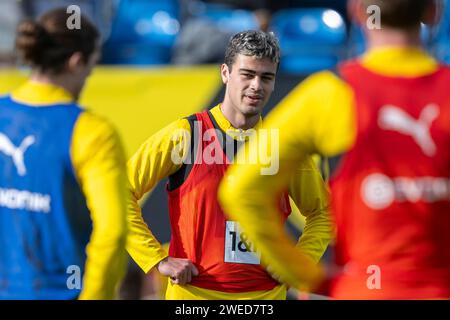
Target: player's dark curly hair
[(253, 43)]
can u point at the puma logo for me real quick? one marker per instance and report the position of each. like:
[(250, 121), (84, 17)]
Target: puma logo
[(16, 153), (394, 118)]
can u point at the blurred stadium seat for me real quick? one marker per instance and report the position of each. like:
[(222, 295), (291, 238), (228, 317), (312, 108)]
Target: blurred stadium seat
[(356, 44), (88, 7), (143, 33), (443, 35), (225, 18), (98, 11), (310, 39), (205, 34)]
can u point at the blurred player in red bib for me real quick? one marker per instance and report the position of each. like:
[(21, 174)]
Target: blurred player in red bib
[(387, 114)]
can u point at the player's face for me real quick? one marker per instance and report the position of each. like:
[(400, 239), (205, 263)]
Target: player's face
[(250, 82)]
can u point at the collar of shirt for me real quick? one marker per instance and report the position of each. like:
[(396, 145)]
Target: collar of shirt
[(227, 127), (41, 94), (400, 61)]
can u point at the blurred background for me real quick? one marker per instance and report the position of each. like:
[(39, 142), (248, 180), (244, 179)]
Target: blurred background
[(161, 60)]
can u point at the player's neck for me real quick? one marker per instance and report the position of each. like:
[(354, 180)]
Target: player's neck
[(56, 80), (393, 38), (237, 119)]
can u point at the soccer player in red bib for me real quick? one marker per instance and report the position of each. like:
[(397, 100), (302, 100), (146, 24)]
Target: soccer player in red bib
[(209, 256), (387, 114)]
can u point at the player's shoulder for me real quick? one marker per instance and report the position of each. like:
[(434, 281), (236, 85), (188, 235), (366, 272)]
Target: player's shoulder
[(326, 80), (179, 124), (92, 128), (89, 119)]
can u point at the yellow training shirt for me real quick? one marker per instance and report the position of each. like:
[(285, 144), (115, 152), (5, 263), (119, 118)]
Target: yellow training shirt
[(318, 116), (99, 164), (152, 163)]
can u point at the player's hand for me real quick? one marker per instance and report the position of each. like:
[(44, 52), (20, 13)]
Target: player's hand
[(274, 275), (179, 270)]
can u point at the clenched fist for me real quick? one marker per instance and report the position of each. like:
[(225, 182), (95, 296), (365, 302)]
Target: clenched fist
[(179, 270)]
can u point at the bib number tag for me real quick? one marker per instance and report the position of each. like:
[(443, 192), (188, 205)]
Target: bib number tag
[(237, 247)]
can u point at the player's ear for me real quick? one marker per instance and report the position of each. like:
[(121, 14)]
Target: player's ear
[(75, 61), (225, 73), (433, 12)]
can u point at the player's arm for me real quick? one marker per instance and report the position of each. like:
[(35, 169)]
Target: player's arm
[(315, 118), (159, 157), (99, 164), (310, 194)]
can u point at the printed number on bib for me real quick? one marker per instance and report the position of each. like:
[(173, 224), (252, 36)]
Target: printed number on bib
[(237, 247)]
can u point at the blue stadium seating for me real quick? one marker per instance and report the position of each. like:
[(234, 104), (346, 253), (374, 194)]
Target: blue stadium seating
[(356, 42), (227, 19), (143, 33), (94, 10), (357, 45), (443, 35), (436, 39), (89, 8), (310, 39)]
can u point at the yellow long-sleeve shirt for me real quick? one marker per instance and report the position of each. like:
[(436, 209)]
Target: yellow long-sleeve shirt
[(153, 162), (318, 116), (99, 163)]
